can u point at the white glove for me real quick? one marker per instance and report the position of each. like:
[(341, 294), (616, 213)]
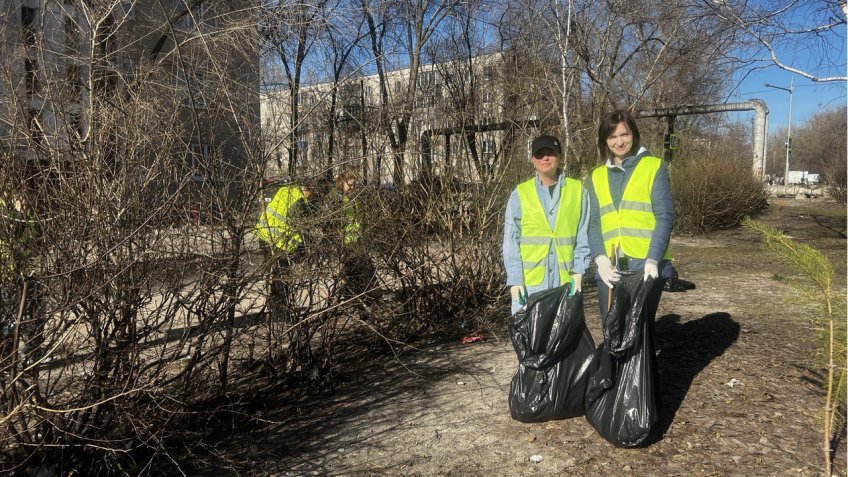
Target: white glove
[(608, 274), (650, 271), (578, 283), (518, 294)]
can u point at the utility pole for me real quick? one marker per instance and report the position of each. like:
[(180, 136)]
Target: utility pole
[(788, 129)]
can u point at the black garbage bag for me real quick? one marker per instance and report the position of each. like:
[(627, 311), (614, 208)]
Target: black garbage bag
[(621, 397), (554, 350)]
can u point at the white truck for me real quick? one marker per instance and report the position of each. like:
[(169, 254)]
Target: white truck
[(796, 177)]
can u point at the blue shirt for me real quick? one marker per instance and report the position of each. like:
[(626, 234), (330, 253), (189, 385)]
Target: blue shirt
[(660, 202), (512, 233)]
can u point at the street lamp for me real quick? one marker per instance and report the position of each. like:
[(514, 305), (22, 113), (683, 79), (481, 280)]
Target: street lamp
[(788, 130)]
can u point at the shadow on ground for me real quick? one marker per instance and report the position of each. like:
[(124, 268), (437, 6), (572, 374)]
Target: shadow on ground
[(685, 349), (302, 432)]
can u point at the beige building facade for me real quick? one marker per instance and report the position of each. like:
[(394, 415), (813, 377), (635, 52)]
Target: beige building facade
[(459, 114)]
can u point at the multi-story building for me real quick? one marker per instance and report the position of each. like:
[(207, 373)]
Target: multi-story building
[(458, 125), (111, 82)]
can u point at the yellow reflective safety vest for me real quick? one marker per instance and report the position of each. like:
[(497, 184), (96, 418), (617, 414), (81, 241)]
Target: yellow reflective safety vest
[(631, 227), (352, 225), (273, 226), (537, 236)]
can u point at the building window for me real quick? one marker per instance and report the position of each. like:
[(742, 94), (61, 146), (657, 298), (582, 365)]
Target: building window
[(488, 73), (74, 81), (488, 97), (31, 76), (488, 146), (426, 79), (197, 160), (127, 71), (455, 148), (28, 16)]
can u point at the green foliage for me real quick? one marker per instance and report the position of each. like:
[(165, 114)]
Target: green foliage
[(816, 289), (807, 259)]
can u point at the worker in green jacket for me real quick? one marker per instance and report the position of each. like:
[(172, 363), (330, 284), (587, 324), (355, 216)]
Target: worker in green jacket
[(357, 268)]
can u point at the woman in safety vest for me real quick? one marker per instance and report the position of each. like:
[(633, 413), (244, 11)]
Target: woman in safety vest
[(545, 241), (631, 210)]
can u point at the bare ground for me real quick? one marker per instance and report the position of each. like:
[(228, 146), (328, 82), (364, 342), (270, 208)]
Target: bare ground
[(441, 408)]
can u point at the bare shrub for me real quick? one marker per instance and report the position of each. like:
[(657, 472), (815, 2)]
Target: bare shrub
[(713, 192), (438, 258), (835, 177)]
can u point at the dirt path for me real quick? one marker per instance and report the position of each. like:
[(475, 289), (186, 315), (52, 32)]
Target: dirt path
[(441, 409)]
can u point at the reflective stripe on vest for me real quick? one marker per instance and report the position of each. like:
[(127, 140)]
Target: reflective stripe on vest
[(273, 226), (537, 236), (631, 227)]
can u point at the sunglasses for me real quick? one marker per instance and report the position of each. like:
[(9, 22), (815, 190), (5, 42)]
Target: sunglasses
[(543, 153)]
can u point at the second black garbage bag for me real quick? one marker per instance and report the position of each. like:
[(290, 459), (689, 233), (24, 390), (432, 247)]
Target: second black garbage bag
[(555, 350), (621, 396)]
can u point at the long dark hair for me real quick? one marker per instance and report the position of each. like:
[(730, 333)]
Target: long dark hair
[(609, 122)]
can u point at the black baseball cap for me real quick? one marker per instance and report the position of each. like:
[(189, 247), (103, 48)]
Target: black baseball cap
[(545, 141)]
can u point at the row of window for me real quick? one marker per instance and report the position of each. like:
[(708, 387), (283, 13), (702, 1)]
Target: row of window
[(428, 98), (430, 78), (199, 15), (487, 146), (197, 155), (73, 81)]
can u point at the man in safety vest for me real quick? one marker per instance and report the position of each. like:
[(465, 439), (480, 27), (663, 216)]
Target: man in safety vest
[(281, 237), (632, 212), (545, 241), (277, 224)]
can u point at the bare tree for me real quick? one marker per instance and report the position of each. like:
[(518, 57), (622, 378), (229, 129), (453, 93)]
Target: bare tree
[(129, 136), (290, 31), (408, 26), (342, 41), (803, 37)]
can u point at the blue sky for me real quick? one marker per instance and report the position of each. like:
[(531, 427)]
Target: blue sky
[(808, 97), (822, 55)]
